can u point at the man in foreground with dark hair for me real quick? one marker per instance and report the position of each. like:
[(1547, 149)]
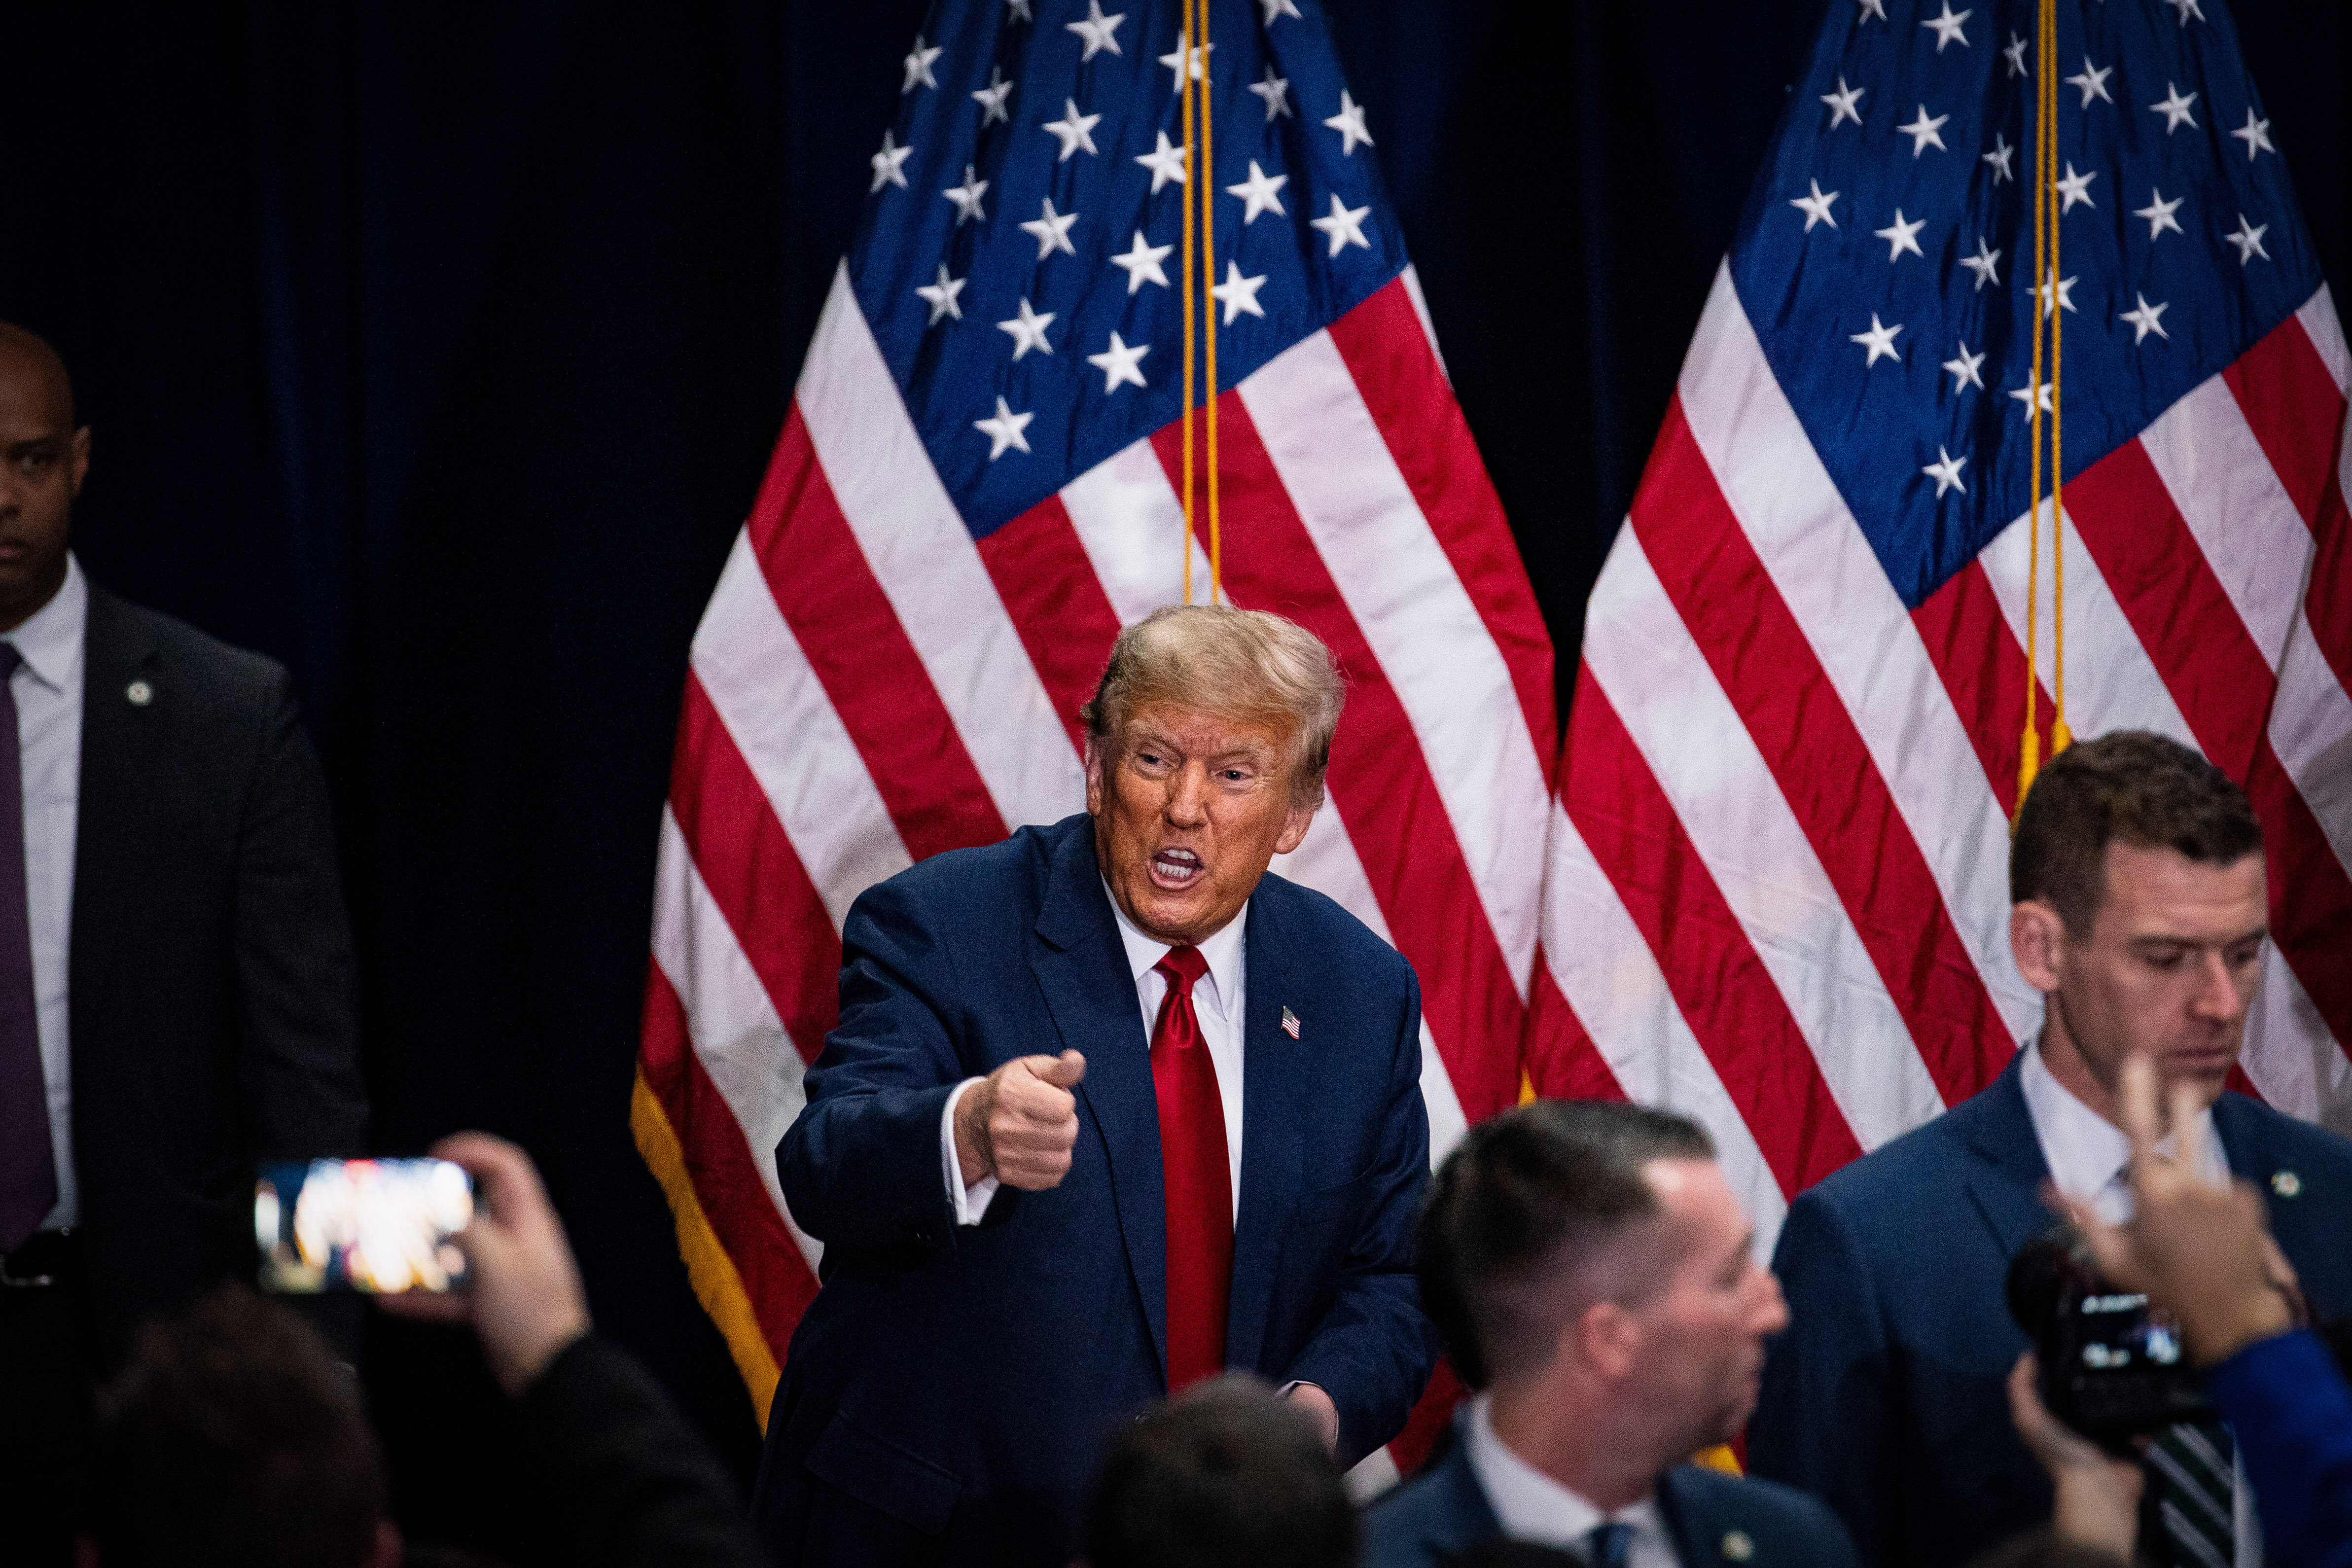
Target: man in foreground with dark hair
[(1223, 1476), (2141, 912), (1591, 1270), (233, 1437)]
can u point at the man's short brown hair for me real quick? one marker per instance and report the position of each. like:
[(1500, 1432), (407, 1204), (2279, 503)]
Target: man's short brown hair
[(1524, 1200), (2130, 787)]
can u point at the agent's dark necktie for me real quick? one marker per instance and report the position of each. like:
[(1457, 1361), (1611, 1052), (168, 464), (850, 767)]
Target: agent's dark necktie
[(2194, 1467), (1193, 1170), (29, 1171), (1609, 1545)]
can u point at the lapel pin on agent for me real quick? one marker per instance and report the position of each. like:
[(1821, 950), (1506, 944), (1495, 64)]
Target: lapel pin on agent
[(1736, 1546), (139, 693), (1291, 1023), (2286, 1183)]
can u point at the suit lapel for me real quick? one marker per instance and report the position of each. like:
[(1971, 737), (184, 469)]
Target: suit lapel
[(1690, 1524), (1274, 1074), (2299, 1227), (2006, 1183), (1081, 967), (116, 738)]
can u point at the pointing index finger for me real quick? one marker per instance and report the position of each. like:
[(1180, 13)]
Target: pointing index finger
[(2143, 1124)]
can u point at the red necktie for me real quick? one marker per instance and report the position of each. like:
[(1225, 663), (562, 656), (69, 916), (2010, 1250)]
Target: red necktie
[(1198, 1180)]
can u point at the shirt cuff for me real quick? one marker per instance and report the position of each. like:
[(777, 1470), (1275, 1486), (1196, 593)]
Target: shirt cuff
[(969, 1202)]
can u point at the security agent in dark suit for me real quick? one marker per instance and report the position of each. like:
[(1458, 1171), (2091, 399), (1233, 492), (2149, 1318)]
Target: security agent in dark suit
[(176, 967), (2140, 913), (1110, 1109), (1593, 1272)]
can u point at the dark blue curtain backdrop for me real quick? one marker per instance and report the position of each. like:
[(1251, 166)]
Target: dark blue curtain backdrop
[(436, 349)]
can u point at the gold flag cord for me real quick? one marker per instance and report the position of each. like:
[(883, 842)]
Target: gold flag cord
[(1200, 159), (1208, 281), (2046, 310), (1184, 77)]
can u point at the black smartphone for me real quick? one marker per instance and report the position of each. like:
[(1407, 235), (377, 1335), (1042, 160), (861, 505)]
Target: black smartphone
[(376, 1226), (2112, 1364)]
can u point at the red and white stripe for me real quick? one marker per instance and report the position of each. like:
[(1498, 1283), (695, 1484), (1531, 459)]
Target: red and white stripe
[(869, 686), (1778, 880)]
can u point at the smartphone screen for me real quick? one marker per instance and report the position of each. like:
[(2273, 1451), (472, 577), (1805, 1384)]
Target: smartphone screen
[(2120, 1332), (377, 1225)]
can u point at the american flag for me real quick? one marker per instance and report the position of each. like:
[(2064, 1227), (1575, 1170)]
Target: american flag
[(977, 487), (1776, 893)]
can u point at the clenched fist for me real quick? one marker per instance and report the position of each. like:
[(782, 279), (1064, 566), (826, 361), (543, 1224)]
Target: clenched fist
[(1019, 1123)]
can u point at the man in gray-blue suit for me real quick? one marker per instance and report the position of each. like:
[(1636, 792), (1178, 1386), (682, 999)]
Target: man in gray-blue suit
[(2141, 912), (1593, 1272)]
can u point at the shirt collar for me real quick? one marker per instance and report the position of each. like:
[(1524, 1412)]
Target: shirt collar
[(49, 640), (1531, 1506), (1223, 949), (2084, 1151)]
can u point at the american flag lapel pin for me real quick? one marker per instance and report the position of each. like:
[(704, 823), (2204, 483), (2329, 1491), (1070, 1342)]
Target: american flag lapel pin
[(1291, 1023)]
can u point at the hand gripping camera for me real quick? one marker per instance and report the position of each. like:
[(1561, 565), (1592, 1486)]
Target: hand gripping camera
[(2113, 1367)]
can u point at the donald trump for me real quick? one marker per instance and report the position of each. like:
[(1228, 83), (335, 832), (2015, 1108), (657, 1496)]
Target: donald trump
[(1111, 1109)]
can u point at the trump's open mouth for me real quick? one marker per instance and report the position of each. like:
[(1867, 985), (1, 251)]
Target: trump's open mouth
[(1176, 868)]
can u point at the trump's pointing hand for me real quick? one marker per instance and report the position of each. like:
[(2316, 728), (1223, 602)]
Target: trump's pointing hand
[(1019, 1123)]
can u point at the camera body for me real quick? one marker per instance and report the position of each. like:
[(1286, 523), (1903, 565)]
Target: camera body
[(2112, 1367)]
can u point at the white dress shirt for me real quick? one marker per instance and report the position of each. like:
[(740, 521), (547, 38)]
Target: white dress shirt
[(1218, 1001), (1531, 1506), (2087, 1155), (2087, 1152), (46, 687)]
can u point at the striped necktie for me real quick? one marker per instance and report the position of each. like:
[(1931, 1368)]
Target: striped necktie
[(2194, 1469)]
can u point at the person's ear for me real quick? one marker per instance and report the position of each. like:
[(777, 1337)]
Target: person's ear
[(2037, 940), (1607, 1338), (1294, 828), (77, 465), (86, 1552), (389, 1548), (1095, 764)]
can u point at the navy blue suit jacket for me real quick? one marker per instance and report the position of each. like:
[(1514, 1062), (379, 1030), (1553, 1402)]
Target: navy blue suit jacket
[(947, 1393), (2291, 1411), (1712, 1518), (1885, 1397)]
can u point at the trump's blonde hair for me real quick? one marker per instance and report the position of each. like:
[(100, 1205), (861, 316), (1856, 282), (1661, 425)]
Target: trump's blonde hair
[(1248, 665)]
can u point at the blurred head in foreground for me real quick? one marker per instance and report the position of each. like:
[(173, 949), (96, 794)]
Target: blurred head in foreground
[(2140, 910), (233, 1438), (1225, 1475), (1588, 1265)]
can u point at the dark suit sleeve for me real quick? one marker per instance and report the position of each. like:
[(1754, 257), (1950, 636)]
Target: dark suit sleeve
[(860, 1166), (2291, 1411), (623, 1480), (1373, 1350), (297, 1036), (299, 1091), (1825, 1422)]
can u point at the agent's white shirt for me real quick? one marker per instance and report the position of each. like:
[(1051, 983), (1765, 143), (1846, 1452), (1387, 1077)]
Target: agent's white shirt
[(2087, 1155), (1531, 1506), (46, 687), (2087, 1152), (1219, 1001)]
